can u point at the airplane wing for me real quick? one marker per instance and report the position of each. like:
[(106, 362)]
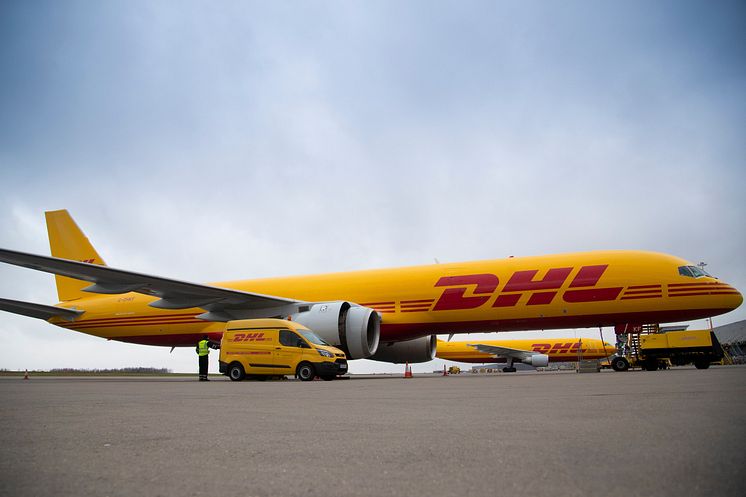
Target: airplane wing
[(221, 304), (40, 311), (503, 351)]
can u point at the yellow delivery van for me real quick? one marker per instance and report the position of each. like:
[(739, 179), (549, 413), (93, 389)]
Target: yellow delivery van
[(275, 347)]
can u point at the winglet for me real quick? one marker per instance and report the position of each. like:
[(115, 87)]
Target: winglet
[(67, 241)]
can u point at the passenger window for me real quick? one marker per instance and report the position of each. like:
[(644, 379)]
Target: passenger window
[(290, 339)]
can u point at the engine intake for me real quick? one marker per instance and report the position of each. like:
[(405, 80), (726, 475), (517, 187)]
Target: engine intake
[(537, 360), (352, 328), (418, 350)]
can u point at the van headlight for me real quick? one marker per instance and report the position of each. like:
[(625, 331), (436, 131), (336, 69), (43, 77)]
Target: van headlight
[(324, 353)]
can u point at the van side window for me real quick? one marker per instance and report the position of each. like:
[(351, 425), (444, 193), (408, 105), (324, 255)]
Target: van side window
[(290, 339)]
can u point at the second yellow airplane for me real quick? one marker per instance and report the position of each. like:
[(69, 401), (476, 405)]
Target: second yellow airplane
[(388, 315), (538, 352)]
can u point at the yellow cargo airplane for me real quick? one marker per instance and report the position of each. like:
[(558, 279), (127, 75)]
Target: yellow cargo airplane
[(538, 352), (402, 308)]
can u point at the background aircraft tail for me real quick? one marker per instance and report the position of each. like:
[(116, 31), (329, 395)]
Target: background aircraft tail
[(67, 241)]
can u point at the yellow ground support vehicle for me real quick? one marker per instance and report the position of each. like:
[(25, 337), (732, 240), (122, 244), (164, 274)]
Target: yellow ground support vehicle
[(263, 348), (659, 350), (700, 347)]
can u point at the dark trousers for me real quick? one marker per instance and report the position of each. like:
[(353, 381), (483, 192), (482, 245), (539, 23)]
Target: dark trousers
[(203, 366)]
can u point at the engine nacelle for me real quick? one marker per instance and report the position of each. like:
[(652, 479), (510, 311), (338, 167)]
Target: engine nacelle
[(352, 328), (418, 350), (537, 360)]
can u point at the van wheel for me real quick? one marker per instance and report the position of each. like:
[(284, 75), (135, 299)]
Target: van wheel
[(328, 377), (236, 372), (305, 372)]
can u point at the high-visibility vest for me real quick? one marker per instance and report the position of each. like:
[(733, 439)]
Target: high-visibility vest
[(202, 348)]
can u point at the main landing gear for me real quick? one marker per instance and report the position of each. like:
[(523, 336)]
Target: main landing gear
[(509, 368)]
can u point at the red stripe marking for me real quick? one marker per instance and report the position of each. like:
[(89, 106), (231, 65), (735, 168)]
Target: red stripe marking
[(699, 288), (416, 301), (76, 326), (639, 287), (139, 318), (643, 297), (642, 292), (693, 294), (697, 284), (371, 304), (128, 322)]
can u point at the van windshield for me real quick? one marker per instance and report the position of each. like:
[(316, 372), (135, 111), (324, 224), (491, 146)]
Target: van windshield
[(312, 337)]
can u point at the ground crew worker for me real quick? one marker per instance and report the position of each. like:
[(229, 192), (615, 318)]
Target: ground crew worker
[(203, 351)]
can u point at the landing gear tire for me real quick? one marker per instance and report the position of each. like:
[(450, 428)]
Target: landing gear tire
[(509, 370), (236, 372), (306, 372), (619, 364)]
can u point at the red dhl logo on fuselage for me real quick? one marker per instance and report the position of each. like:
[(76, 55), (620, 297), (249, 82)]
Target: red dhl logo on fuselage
[(249, 337), (542, 291), (557, 348)]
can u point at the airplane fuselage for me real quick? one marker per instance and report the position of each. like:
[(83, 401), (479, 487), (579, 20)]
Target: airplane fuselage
[(573, 290)]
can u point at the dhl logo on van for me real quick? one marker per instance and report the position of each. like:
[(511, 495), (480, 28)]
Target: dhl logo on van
[(542, 291), (250, 337), (557, 348)]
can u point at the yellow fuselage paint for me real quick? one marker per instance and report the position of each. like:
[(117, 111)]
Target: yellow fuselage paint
[(523, 293)]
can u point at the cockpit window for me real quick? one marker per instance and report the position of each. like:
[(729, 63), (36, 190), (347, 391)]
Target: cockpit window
[(684, 271), (693, 272)]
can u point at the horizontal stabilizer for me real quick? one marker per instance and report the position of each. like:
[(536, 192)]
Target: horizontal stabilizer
[(39, 311)]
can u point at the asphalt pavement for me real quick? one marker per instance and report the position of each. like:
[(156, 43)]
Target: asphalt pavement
[(676, 432)]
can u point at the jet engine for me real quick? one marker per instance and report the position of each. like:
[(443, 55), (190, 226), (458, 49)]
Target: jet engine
[(537, 360), (352, 328), (418, 350)]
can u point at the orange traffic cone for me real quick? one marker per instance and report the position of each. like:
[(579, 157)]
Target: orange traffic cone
[(25, 376), (445, 373), (407, 371)]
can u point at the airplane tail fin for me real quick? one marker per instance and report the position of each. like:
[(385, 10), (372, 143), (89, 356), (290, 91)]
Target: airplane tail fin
[(67, 241)]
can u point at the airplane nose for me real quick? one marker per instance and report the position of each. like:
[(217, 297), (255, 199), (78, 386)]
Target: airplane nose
[(732, 297)]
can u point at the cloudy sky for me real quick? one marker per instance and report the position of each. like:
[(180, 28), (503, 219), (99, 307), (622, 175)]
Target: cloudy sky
[(207, 141)]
